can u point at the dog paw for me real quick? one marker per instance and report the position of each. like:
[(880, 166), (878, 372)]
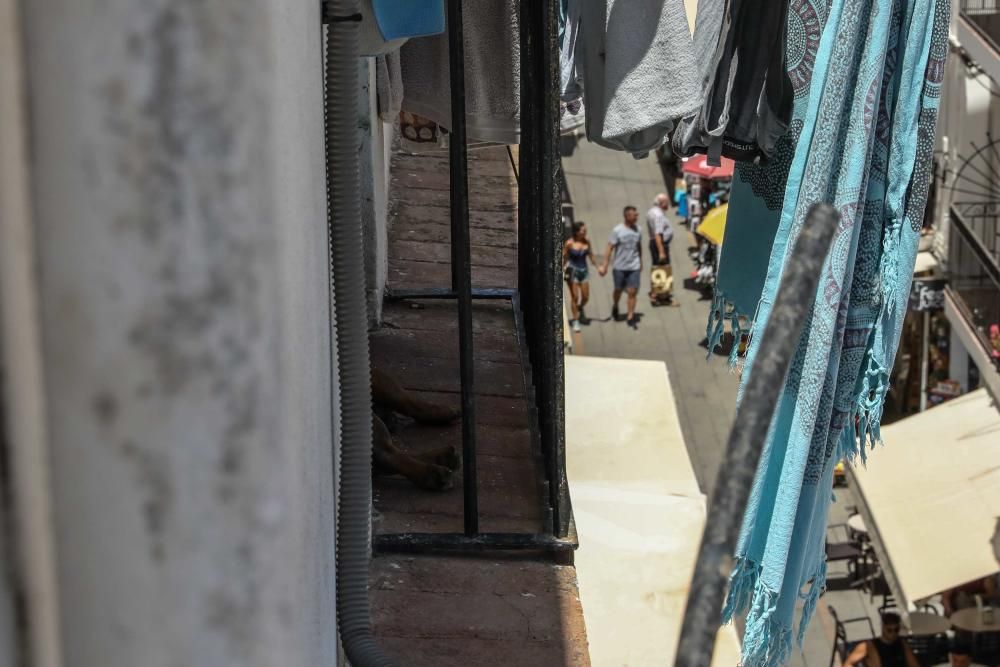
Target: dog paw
[(449, 457), (435, 478)]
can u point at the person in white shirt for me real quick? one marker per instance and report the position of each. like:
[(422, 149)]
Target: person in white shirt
[(661, 232)]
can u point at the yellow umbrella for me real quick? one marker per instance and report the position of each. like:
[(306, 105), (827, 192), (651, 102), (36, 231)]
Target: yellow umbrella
[(713, 226)]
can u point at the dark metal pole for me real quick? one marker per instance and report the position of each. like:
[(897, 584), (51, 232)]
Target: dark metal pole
[(461, 262), (746, 439), (527, 180), (552, 237), (540, 239)]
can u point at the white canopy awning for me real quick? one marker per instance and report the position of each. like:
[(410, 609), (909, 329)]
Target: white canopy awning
[(638, 509), (931, 497), (925, 262)]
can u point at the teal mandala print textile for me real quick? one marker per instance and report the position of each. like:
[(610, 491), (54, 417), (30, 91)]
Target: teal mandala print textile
[(867, 77)]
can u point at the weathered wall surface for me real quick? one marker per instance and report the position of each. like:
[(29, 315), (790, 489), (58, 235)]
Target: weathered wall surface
[(178, 205), (375, 137)]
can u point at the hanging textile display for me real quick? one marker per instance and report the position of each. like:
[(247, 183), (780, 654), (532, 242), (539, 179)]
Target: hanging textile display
[(492, 73), (639, 71), (747, 92), (866, 78), (571, 113)]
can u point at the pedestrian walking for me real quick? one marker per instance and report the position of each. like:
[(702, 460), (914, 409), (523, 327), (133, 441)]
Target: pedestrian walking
[(576, 251), (624, 250), (661, 232)]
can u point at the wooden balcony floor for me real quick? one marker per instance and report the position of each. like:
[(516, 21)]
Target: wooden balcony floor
[(434, 610)]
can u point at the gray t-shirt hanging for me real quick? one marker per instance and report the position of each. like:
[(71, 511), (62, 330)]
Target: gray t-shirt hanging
[(627, 241)]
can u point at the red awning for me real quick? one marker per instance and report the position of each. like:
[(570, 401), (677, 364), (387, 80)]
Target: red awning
[(698, 165)]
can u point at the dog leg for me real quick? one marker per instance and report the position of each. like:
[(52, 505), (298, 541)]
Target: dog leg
[(446, 456), (386, 391), (390, 459)]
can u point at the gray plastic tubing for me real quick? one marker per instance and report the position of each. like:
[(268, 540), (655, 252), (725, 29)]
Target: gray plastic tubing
[(350, 322)]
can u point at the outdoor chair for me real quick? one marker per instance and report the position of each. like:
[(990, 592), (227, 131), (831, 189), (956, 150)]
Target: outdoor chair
[(844, 551), (871, 579), (842, 646), (929, 649)]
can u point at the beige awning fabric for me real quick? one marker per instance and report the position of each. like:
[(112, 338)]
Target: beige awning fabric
[(638, 509), (931, 496), (925, 262)]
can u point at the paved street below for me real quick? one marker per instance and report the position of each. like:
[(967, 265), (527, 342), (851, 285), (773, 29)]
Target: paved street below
[(601, 183)]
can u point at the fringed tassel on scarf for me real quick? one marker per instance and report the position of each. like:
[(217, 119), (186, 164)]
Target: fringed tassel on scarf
[(869, 403), (742, 582), (766, 642), (716, 322), (723, 309), (889, 266), (816, 589), (751, 332)]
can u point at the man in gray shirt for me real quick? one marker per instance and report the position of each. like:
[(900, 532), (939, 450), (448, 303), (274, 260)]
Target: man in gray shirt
[(660, 234), (625, 248)]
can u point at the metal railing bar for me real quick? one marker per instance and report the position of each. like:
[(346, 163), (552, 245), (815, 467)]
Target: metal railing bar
[(746, 439), (978, 248), (461, 262), (459, 542), (548, 516), (483, 293)]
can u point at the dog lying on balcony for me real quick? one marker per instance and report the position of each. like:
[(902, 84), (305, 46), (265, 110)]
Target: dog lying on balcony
[(433, 470)]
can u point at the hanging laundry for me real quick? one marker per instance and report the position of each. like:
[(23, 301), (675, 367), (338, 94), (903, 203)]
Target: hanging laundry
[(389, 86), (387, 24), (639, 71), (759, 189), (707, 28), (747, 93), (571, 112), (492, 74), (863, 137), (570, 79)]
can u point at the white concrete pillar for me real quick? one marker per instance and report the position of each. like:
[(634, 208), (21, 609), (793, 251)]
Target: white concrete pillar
[(181, 283)]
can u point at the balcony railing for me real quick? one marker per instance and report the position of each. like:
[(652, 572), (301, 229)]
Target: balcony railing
[(985, 16), (980, 7), (974, 272)]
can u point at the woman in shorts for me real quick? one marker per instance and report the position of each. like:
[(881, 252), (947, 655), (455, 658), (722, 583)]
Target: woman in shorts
[(576, 251)]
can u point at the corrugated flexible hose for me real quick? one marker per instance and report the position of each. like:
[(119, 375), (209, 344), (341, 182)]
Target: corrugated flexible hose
[(340, 111)]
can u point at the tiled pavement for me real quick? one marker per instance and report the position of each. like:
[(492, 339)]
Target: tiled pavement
[(601, 182)]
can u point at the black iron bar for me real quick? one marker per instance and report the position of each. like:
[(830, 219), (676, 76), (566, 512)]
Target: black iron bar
[(548, 518), (513, 165), (993, 149), (989, 189), (459, 542), (540, 239), (481, 293), (552, 237), (746, 439), (527, 227), (461, 263), (974, 192)]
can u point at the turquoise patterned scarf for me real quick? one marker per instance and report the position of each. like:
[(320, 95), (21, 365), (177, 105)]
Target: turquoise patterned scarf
[(867, 77)]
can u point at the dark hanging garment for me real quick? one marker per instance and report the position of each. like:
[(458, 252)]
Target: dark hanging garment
[(748, 93)]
